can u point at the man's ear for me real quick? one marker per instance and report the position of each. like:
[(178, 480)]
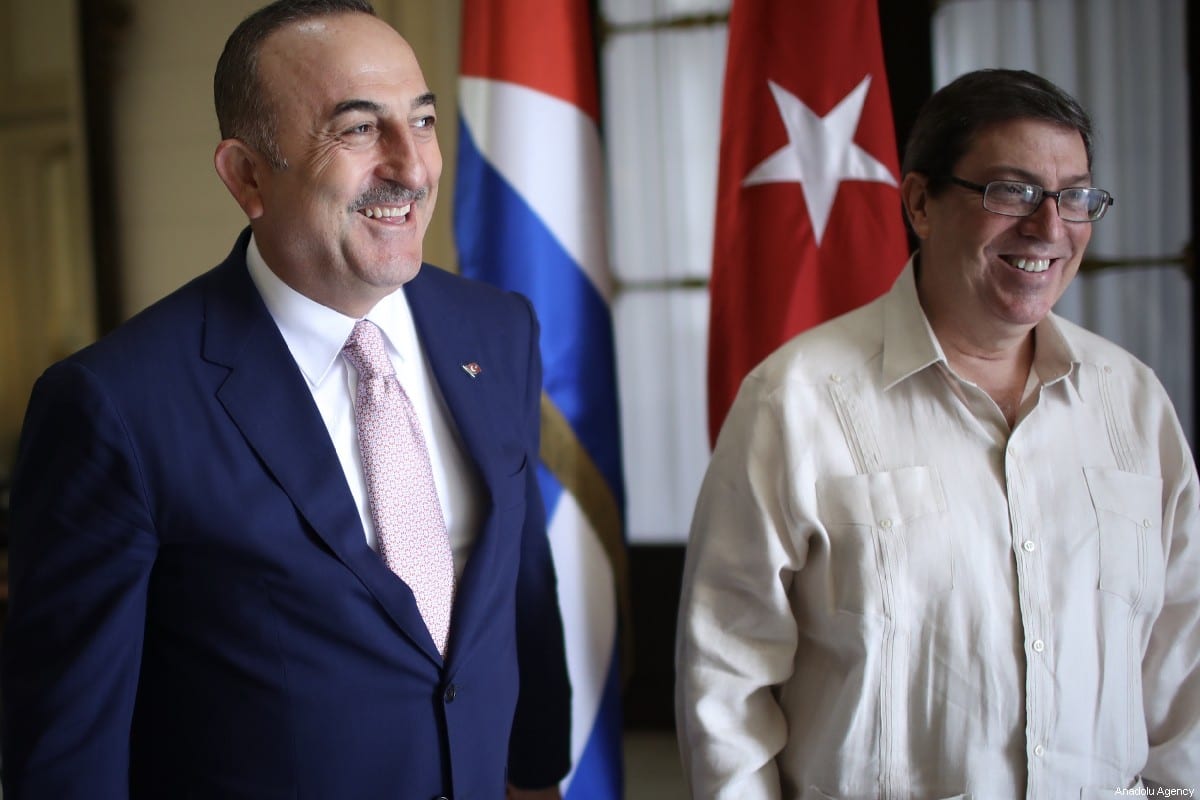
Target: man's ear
[(241, 169), (914, 195)]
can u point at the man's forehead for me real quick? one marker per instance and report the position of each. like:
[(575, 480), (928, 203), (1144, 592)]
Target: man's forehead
[(346, 42), (351, 23), (334, 68), (1012, 143)]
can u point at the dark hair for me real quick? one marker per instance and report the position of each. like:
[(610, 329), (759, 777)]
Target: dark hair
[(243, 109), (950, 118)]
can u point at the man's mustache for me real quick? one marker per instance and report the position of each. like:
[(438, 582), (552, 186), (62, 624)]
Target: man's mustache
[(388, 196)]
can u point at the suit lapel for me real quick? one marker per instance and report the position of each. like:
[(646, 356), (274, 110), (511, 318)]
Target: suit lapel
[(268, 399), (450, 339)]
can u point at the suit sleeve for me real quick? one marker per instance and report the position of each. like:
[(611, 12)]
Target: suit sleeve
[(81, 551), (539, 750)]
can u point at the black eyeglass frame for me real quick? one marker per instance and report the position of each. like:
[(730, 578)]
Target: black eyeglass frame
[(982, 189)]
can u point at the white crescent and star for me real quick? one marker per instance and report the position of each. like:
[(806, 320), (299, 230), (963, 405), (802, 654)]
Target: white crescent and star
[(820, 152)]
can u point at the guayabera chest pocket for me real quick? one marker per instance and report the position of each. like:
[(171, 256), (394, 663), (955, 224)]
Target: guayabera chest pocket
[(1128, 530), (888, 538)]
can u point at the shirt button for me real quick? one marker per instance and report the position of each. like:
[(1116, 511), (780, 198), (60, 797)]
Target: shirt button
[(1028, 546), (1038, 645), (1147, 524), (886, 524), (835, 378), (451, 693), (1039, 751)]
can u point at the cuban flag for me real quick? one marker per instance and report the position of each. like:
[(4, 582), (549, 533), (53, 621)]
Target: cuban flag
[(809, 224), (529, 215)]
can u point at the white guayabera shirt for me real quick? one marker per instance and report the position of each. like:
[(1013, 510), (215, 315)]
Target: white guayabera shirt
[(890, 594)]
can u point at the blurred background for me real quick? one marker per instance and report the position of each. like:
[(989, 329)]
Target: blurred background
[(110, 201)]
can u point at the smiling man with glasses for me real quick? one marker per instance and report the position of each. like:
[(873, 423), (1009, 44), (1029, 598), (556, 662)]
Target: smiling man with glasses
[(949, 544)]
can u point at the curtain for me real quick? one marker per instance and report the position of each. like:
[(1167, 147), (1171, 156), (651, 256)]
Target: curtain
[(662, 111)]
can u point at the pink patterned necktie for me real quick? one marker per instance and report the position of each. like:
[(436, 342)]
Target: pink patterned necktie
[(401, 494)]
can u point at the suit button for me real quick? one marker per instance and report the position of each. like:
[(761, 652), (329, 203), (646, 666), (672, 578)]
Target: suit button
[(441, 797), (451, 693)]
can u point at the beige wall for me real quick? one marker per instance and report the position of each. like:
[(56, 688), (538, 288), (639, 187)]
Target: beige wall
[(46, 292), (175, 218)]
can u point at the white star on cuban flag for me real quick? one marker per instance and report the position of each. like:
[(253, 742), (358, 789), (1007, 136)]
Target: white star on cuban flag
[(820, 152)]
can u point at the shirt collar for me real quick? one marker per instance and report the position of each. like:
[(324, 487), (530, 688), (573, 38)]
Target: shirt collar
[(1053, 357), (909, 344), (315, 333)]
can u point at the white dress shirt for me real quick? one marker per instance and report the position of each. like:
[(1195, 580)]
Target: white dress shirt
[(315, 335), (890, 594)]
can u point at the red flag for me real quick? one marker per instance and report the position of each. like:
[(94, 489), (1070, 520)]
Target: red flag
[(808, 208)]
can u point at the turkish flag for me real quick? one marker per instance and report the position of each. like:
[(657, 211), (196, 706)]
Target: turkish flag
[(809, 223)]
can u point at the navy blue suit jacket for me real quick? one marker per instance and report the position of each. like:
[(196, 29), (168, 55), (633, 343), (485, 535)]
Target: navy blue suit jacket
[(194, 609)]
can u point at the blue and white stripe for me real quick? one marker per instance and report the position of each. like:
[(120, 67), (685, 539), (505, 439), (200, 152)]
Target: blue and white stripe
[(529, 216)]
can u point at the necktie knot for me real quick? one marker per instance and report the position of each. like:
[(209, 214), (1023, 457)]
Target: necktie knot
[(366, 351)]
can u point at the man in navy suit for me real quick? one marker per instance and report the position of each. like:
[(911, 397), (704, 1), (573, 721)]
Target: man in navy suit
[(198, 608)]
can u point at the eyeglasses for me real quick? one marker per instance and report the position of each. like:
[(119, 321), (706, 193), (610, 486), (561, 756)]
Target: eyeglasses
[(1017, 199)]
